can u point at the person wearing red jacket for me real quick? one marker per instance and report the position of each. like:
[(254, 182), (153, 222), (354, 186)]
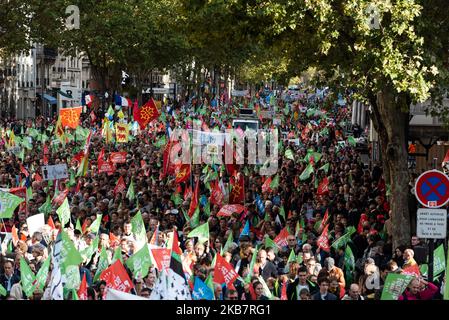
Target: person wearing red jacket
[(419, 289)]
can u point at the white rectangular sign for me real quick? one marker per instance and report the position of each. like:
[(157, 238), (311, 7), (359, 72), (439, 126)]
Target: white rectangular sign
[(35, 223), (55, 172), (431, 223)]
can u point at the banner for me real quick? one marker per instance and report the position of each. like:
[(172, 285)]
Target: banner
[(118, 157), (395, 285), (121, 132), (113, 294), (55, 172), (161, 258), (229, 209)]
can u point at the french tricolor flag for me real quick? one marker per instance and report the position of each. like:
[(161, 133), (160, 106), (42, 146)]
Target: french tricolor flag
[(122, 101)]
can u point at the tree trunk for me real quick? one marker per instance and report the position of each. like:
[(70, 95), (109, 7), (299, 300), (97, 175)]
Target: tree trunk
[(391, 121)]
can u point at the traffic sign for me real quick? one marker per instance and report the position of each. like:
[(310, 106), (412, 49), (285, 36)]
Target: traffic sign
[(431, 223), (432, 189)]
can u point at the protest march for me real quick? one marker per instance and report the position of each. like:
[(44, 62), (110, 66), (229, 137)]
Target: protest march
[(100, 205)]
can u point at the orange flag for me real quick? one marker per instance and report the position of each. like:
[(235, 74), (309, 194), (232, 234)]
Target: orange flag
[(15, 236), (51, 223), (70, 117)]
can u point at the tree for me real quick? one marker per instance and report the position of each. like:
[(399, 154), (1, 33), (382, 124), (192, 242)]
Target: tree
[(391, 53)]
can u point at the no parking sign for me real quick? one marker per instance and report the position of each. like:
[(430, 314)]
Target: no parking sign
[(432, 189)]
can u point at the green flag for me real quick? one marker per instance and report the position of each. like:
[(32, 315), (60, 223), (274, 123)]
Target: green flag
[(289, 154), (87, 253), (195, 221), (69, 255), (282, 212), (210, 283), (306, 173), (26, 278), (395, 285), (446, 283), (202, 232), (438, 261), (251, 267), (117, 255), (325, 168), (29, 194), (140, 262), (176, 198), (103, 263), (349, 263), (344, 239), (271, 244), (74, 295), (8, 203), (73, 277), (46, 207), (274, 183), (206, 208), (95, 226), (72, 180), (78, 225), (351, 141), (228, 243), (3, 291), (64, 212), (41, 276), (138, 228), (291, 257), (130, 193)]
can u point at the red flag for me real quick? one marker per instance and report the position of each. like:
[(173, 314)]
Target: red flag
[(92, 116), (84, 226), (113, 240), (323, 240), (162, 258), (82, 291), (51, 223), (194, 201), (120, 187), (216, 196), (15, 236), (412, 270), (446, 157), (24, 171), (182, 173), (101, 155), (284, 290), (325, 218), (45, 160), (37, 177), (224, 272), (323, 187), (78, 187), (147, 113), (252, 292), (363, 218), (46, 149), (60, 197), (116, 277), (136, 113), (237, 195), (281, 239), (175, 245), (188, 192), (118, 157), (266, 185)]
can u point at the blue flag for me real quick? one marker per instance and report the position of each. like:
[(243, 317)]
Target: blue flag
[(245, 231), (201, 291), (260, 205), (203, 200)]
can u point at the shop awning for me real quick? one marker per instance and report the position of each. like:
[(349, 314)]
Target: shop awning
[(50, 99)]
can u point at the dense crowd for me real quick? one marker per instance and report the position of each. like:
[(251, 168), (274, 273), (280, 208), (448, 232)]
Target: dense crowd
[(321, 235)]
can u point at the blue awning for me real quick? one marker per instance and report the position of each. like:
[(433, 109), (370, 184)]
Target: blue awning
[(50, 99)]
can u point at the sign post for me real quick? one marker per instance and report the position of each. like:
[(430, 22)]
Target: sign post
[(432, 191)]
